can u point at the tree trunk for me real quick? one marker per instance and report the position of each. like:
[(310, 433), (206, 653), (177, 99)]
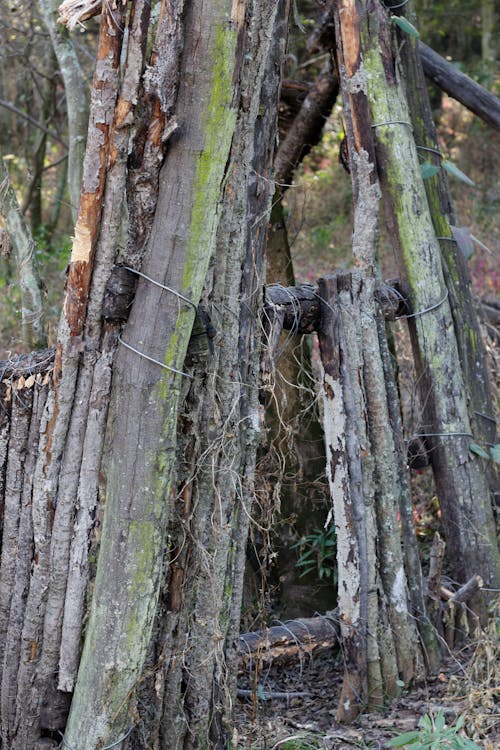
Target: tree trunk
[(146, 395), (456, 273), (23, 246), (75, 89), (463, 490)]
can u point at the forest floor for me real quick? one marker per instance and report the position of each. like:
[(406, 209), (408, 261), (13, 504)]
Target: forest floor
[(468, 685)]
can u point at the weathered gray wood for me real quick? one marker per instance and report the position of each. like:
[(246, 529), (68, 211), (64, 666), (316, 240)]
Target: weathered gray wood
[(470, 530), (32, 401), (57, 467), (219, 429), (344, 477), (143, 412), (456, 274)]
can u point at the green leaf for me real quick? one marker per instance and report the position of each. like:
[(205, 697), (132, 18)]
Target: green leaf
[(261, 693), (475, 448), (495, 453), (469, 744), (456, 172), (426, 723), (404, 739), (400, 683), (406, 26), (459, 723), (428, 170), (439, 722)]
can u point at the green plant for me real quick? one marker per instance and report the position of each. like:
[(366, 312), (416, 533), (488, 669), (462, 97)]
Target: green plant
[(435, 734), (317, 553)]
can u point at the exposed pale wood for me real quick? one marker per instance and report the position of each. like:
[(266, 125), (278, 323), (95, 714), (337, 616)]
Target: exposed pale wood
[(63, 427), (344, 472), (146, 396), (392, 651)]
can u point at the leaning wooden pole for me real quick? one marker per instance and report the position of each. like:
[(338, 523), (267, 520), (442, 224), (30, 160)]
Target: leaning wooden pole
[(464, 495), (455, 269)]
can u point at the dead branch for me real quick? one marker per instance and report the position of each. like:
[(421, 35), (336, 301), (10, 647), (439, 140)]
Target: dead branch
[(73, 12), (460, 87), (466, 591), (307, 127)]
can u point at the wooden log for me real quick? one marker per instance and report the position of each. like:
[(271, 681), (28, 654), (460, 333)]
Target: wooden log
[(468, 590), (307, 127), (434, 581), (302, 304), (288, 641), (459, 86)]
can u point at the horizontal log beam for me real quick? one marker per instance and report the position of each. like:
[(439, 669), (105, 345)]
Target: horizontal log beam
[(301, 304), (286, 642)]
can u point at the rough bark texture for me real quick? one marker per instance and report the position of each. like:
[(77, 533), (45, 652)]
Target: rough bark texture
[(288, 642), (301, 304), (220, 425), (143, 414), (344, 474), (456, 273), (462, 486)]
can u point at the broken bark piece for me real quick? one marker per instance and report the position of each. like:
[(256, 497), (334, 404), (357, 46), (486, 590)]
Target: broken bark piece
[(119, 295)]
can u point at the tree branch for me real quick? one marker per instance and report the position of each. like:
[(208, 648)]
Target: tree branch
[(460, 87)]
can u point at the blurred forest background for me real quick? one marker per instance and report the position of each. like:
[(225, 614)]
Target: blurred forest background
[(34, 147)]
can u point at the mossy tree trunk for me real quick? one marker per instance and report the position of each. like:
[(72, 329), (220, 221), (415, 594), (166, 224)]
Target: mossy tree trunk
[(462, 486), (456, 273)]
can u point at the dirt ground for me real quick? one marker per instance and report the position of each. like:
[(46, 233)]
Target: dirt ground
[(304, 719)]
